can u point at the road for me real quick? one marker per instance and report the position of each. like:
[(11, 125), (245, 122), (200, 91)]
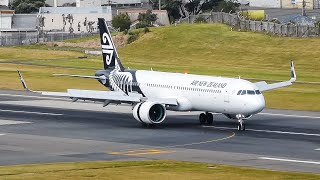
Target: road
[(37, 129)]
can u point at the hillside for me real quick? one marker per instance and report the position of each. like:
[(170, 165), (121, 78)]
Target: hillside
[(214, 50)]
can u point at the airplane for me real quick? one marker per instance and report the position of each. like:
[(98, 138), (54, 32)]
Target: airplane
[(153, 93)]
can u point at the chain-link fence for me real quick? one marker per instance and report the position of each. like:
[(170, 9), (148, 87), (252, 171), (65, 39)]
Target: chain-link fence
[(20, 38), (237, 22)]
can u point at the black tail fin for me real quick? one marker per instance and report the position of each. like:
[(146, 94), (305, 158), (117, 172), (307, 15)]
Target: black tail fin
[(109, 52)]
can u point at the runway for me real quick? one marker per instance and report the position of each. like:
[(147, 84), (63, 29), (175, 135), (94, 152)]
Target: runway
[(37, 129)]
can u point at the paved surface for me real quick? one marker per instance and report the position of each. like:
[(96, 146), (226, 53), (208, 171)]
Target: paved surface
[(37, 130)]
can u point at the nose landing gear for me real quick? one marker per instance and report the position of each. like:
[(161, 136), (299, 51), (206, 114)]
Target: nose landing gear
[(241, 124), (206, 118)]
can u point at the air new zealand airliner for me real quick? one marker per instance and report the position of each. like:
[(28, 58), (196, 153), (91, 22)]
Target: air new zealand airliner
[(153, 93)]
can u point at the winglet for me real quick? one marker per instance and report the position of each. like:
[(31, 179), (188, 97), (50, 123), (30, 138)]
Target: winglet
[(293, 73), (24, 84)]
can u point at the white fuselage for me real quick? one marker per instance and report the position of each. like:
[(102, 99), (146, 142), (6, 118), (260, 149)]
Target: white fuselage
[(202, 93)]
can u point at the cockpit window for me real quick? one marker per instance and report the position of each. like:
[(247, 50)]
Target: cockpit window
[(244, 92), (258, 92), (250, 92), (239, 92)]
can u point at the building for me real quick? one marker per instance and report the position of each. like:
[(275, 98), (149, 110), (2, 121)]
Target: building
[(4, 3), (6, 19), (72, 19), (162, 15), (309, 4), (96, 3), (285, 4)]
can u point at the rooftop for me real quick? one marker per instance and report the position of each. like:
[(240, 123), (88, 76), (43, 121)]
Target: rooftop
[(75, 10)]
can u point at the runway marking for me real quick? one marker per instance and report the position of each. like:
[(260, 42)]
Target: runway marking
[(289, 115), (9, 122), (317, 149), (290, 160), (140, 152), (31, 112), (144, 151), (36, 97), (267, 131), (2, 134), (203, 142)]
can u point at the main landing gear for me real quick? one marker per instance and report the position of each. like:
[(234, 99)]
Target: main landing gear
[(206, 118), (241, 124)]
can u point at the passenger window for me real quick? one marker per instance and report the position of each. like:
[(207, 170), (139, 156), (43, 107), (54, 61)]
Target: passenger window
[(239, 92), (250, 92), (244, 92), (258, 92)]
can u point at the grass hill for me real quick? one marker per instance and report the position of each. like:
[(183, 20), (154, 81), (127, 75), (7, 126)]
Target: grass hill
[(210, 49)]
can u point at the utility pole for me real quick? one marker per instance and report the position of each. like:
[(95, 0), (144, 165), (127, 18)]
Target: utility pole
[(159, 4), (304, 4)]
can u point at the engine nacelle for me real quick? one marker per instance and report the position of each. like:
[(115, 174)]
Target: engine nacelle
[(149, 112)]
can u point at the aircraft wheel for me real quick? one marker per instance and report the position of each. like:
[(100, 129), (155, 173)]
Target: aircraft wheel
[(202, 118), (209, 117)]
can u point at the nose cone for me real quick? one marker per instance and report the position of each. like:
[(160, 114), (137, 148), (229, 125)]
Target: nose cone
[(257, 104)]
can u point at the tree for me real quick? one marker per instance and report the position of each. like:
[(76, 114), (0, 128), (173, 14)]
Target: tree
[(121, 21), (218, 5), (27, 6), (146, 19), (173, 8), (193, 6)]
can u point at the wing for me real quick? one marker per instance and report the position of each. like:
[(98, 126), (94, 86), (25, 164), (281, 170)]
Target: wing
[(263, 86), (106, 97)]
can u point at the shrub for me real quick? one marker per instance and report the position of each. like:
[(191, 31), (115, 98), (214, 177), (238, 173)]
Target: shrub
[(146, 30), (133, 35), (132, 38), (121, 21)]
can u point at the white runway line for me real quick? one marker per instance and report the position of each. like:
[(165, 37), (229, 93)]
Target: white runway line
[(31, 112), (317, 149), (10, 122), (290, 160), (267, 131), (2, 134), (289, 115), (36, 97)]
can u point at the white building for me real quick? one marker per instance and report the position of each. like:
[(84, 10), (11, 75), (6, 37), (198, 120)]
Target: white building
[(72, 19), (88, 3), (95, 3), (6, 19), (4, 2), (294, 4)]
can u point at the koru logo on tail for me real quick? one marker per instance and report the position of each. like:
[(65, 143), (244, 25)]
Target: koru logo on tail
[(107, 48)]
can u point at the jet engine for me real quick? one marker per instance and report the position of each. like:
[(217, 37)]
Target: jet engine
[(149, 112)]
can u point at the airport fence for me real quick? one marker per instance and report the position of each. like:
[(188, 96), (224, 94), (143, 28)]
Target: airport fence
[(21, 38), (239, 23)]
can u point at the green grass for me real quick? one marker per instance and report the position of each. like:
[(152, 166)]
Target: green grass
[(208, 49), (40, 78), (83, 39), (153, 170)]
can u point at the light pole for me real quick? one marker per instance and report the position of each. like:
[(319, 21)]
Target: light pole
[(159, 4), (304, 4)]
